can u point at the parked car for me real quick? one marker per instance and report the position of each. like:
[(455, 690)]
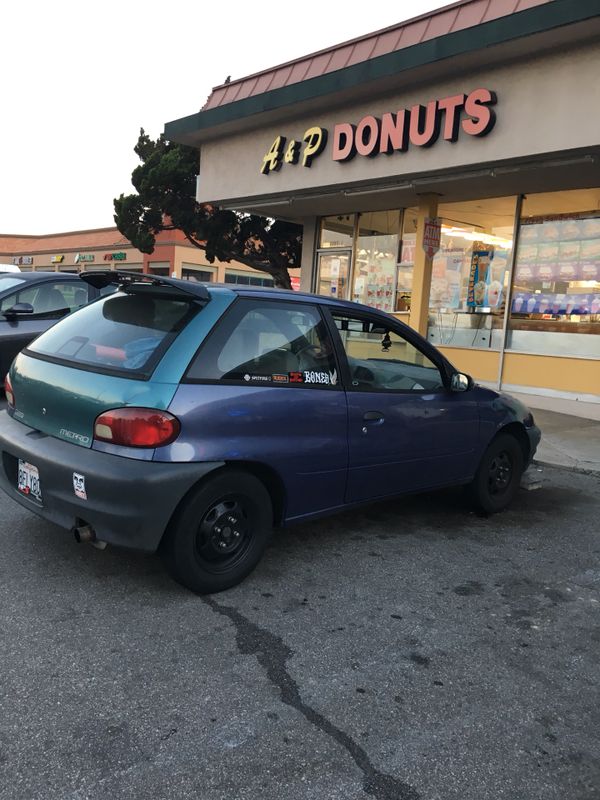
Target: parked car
[(30, 302), (192, 419)]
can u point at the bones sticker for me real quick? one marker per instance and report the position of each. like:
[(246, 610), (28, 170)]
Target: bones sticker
[(311, 376)]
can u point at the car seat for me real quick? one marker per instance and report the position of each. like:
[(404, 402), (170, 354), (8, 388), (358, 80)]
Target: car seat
[(240, 348), (80, 297), (50, 299)]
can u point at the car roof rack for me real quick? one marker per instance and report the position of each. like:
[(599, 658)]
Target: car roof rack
[(100, 278)]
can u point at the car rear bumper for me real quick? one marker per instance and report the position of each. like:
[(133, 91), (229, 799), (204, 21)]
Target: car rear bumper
[(129, 503)]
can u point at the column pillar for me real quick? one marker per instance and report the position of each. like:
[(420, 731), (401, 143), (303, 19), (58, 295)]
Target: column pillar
[(309, 241), (419, 302)]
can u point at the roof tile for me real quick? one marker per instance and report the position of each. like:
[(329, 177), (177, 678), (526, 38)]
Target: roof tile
[(318, 66), (500, 8), (471, 14), (56, 242), (386, 42), (413, 33), (458, 16), (299, 71), (362, 51), (340, 57), (246, 89), (280, 77), (441, 24)]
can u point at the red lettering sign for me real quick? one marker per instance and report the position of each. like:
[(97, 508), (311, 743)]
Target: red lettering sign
[(394, 131), (420, 126), (431, 236)]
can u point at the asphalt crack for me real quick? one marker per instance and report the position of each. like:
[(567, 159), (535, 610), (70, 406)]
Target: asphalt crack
[(272, 654)]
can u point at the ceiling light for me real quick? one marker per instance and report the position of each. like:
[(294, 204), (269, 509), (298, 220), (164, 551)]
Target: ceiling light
[(471, 236)]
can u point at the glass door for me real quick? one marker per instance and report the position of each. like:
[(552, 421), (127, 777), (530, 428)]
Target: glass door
[(333, 273)]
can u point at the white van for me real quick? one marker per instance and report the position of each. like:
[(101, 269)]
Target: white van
[(9, 268)]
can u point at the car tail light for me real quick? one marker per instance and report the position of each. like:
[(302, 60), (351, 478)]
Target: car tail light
[(136, 427), (8, 391)]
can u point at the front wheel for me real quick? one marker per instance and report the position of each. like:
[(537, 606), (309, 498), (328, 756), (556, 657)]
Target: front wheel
[(498, 476), (219, 534)]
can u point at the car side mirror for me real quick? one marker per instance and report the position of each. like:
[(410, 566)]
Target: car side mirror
[(18, 309), (461, 382)]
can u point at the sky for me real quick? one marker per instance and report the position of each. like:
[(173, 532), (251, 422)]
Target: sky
[(81, 78)]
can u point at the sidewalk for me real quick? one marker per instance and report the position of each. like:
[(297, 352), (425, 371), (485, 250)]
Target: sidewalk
[(570, 440)]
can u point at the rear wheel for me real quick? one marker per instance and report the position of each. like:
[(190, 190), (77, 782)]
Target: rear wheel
[(499, 475), (219, 534)]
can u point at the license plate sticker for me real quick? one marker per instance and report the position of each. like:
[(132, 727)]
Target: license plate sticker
[(29, 480)]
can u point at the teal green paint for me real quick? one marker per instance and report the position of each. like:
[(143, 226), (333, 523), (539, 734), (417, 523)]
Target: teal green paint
[(175, 361), (64, 402), (514, 26)]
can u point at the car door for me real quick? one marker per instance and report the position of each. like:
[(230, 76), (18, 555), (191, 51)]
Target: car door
[(264, 389), (50, 300), (406, 430)]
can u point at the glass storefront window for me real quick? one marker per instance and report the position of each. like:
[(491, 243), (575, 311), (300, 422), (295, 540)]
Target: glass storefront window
[(470, 273), (555, 308), (406, 261), (376, 258), (337, 231)]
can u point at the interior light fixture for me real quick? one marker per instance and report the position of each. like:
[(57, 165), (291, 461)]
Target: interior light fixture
[(470, 236)]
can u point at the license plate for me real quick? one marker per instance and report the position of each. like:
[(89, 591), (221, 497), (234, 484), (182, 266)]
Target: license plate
[(29, 480)]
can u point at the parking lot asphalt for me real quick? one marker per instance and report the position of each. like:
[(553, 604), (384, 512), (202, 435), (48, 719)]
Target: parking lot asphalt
[(409, 651)]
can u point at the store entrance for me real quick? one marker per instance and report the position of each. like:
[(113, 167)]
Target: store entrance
[(334, 273)]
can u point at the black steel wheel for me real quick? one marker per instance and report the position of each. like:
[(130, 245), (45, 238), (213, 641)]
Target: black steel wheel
[(499, 474), (220, 532)]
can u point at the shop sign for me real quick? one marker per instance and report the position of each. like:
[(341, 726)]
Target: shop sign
[(393, 132), (57, 259), (81, 257), (431, 235), (115, 256), (22, 261)]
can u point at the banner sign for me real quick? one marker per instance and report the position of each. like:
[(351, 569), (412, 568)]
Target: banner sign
[(431, 235)]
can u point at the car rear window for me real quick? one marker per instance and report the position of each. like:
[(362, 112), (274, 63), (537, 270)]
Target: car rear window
[(122, 333)]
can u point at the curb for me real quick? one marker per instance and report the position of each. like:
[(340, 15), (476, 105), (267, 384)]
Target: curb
[(568, 467)]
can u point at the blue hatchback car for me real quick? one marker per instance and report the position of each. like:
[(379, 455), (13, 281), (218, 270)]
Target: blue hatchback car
[(193, 419)]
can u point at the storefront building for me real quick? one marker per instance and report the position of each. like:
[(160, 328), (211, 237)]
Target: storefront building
[(106, 248), (446, 170)]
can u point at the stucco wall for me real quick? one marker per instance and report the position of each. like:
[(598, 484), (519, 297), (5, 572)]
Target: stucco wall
[(544, 105)]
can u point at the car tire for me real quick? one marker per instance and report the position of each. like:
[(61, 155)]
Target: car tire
[(219, 533), (498, 476)]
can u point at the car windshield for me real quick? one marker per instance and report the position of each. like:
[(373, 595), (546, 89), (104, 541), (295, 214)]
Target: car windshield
[(122, 333), (7, 283)]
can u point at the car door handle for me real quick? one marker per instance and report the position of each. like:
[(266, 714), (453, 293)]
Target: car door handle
[(373, 416)]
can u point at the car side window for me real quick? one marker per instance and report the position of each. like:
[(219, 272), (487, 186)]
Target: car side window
[(50, 299), (263, 342), (380, 359)]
